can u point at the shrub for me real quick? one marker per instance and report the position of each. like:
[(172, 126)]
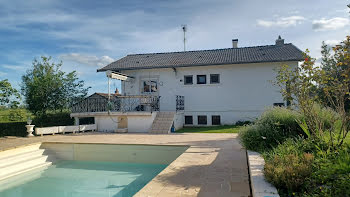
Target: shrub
[(243, 122), (305, 167), (332, 174), (53, 119), (289, 172), (289, 165), (13, 115), (13, 129), (273, 127)]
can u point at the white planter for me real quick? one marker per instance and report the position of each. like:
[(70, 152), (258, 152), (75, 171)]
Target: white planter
[(30, 130)]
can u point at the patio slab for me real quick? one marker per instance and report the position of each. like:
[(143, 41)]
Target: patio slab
[(213, 165)]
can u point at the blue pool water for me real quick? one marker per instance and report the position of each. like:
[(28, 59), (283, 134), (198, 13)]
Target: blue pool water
[(84, 179)]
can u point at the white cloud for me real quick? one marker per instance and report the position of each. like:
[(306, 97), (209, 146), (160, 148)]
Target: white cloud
[(2, 74), (281, 22), (90, 60), (14, 67), (330, 24), (332, 42)]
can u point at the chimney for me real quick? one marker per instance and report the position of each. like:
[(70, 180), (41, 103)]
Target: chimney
[(279, 41), (234, 43)]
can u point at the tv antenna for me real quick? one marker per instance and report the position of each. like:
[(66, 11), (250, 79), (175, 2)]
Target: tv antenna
[(184, 29)]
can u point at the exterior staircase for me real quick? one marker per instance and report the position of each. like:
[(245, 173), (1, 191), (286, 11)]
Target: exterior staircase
[(20, 160), (162, 123)]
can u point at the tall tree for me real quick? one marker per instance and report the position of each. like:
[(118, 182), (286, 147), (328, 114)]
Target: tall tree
[(46, 87), (9, 96)]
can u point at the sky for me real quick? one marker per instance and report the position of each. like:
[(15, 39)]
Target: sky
[(88, 34)]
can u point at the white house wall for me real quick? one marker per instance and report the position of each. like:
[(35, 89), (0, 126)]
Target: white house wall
[(179, 120), (136, 123), (140, 124), (244, 91), (106, 123)]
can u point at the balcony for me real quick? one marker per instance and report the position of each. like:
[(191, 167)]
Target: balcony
[(131, 103)]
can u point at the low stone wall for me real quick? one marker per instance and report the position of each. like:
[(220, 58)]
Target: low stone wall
[(65, 129), (260, 187)]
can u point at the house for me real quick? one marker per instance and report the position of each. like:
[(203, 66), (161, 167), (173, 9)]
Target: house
[(161, 91)]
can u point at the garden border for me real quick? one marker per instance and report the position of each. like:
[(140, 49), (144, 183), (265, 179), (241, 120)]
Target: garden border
[(259, 186)]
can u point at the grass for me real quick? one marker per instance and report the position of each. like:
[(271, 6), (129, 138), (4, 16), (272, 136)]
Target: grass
[(213, 129)]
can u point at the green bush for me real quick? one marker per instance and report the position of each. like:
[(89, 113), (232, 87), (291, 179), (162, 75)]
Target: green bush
[(19, 129), (305, 167), (289, 172), (13, 115), (289, 165), (13, 129), (53, 119), (243, 122), (273, 127), (331, 174)]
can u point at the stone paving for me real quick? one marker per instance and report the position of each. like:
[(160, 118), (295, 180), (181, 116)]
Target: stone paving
[(214, 165)]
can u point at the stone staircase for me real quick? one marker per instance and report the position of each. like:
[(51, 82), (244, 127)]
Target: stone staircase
[(23, 159), (162, 122)]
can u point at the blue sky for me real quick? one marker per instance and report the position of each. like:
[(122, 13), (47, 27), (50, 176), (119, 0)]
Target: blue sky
[(89, 34)]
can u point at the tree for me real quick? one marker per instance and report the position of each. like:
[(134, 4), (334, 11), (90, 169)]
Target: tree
[(47, 88), (9, 96), (328, 85)]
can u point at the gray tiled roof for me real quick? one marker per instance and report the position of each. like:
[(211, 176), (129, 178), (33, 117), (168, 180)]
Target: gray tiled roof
[(268, 53)]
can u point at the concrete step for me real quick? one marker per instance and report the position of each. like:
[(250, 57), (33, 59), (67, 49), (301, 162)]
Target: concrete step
[(25, 177), (162, 122), (165, 119), (19, 150), (24, 170), (24, 166), (17, 158)]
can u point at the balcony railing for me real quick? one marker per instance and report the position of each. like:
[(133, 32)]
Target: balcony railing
[(118, 104)]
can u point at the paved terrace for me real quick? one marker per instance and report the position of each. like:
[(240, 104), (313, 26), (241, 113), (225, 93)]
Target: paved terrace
[(214, 165)]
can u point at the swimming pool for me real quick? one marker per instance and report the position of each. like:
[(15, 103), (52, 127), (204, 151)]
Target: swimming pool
[(77, 170), (84, 179)]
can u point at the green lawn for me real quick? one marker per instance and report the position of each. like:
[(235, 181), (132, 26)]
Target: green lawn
[(213, 129)]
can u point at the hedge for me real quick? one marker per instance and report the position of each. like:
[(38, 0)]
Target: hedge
[(53, 119), (19, 129), (13, 129)]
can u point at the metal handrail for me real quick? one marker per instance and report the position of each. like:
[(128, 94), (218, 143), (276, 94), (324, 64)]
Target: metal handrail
[(118, 104)]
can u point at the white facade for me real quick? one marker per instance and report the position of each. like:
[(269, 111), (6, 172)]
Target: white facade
[(137, 122), (243, 92)]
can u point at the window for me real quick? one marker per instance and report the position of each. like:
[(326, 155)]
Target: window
[(278, 104), (150, 86), (214, 78), (188, 79), (202, 120), (215, 120), (201, 79), (188, 120)]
